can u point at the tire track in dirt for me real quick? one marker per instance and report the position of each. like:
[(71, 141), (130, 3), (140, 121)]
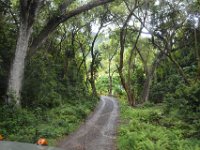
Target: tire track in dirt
[(99, 130)]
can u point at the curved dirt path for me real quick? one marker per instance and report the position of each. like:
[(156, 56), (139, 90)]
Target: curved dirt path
[(99, 130)]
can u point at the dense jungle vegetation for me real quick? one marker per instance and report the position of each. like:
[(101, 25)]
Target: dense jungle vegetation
[(58, 56)]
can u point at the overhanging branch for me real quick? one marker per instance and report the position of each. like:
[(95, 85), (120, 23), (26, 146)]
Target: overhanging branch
[(53, 23)]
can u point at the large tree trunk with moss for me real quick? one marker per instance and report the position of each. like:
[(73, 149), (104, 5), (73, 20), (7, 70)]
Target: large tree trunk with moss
[(28, 12), (17, 69)]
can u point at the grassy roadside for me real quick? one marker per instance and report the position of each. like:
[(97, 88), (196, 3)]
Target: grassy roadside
[(146, 128), (26, 125)]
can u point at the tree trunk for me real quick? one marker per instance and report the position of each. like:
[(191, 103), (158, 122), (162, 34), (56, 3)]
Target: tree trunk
[(17, 68), (92, 83), (146, 87), (92, 72), (180, 70), (110, 78), (28, 12), (144, 96), (127, 89), (92, 65), (197, 54), (126, 86), (92, 69), (111, 56)]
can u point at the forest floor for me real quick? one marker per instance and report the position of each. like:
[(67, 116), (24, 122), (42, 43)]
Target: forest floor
[(99, 130)]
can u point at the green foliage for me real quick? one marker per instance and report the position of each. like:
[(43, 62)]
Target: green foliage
[(145, 128), (117, 87), (185, 101), (41, 84), (27, 125), (8, 34), (102, 84), (160, 89), (55, 94), (137, 81), (17, 124)]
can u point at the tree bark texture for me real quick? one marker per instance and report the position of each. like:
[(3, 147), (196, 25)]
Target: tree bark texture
[(28, 12), (92, 65), (17, 68), (127, 88), (110, 77)]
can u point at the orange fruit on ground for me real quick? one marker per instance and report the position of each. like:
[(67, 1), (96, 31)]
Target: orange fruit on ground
[(1, 137), (42, 141)]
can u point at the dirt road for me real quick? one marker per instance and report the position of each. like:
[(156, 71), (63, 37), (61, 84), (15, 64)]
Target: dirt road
[(99, 130)]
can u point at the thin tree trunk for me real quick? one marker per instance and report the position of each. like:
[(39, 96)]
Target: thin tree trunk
[(146, 87), (92, 83), (197, 54), (92, 65), (129, 94), (92, 72), (110, 91), (92, 78), (84, 57), (180, 70), (110, 77), (125, 85)]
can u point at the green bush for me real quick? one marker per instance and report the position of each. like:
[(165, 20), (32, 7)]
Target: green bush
[(145, 128), (186, 102), (17, 124), (27, 124), (160, 89)]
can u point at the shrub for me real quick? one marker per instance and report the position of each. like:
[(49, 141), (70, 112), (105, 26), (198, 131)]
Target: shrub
[(144, 128), (160, 89)]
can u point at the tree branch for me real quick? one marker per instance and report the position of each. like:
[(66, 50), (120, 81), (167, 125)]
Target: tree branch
[(55, 21)]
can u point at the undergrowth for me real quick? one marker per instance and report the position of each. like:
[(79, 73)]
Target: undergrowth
[(147, 128), (28, 125)]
